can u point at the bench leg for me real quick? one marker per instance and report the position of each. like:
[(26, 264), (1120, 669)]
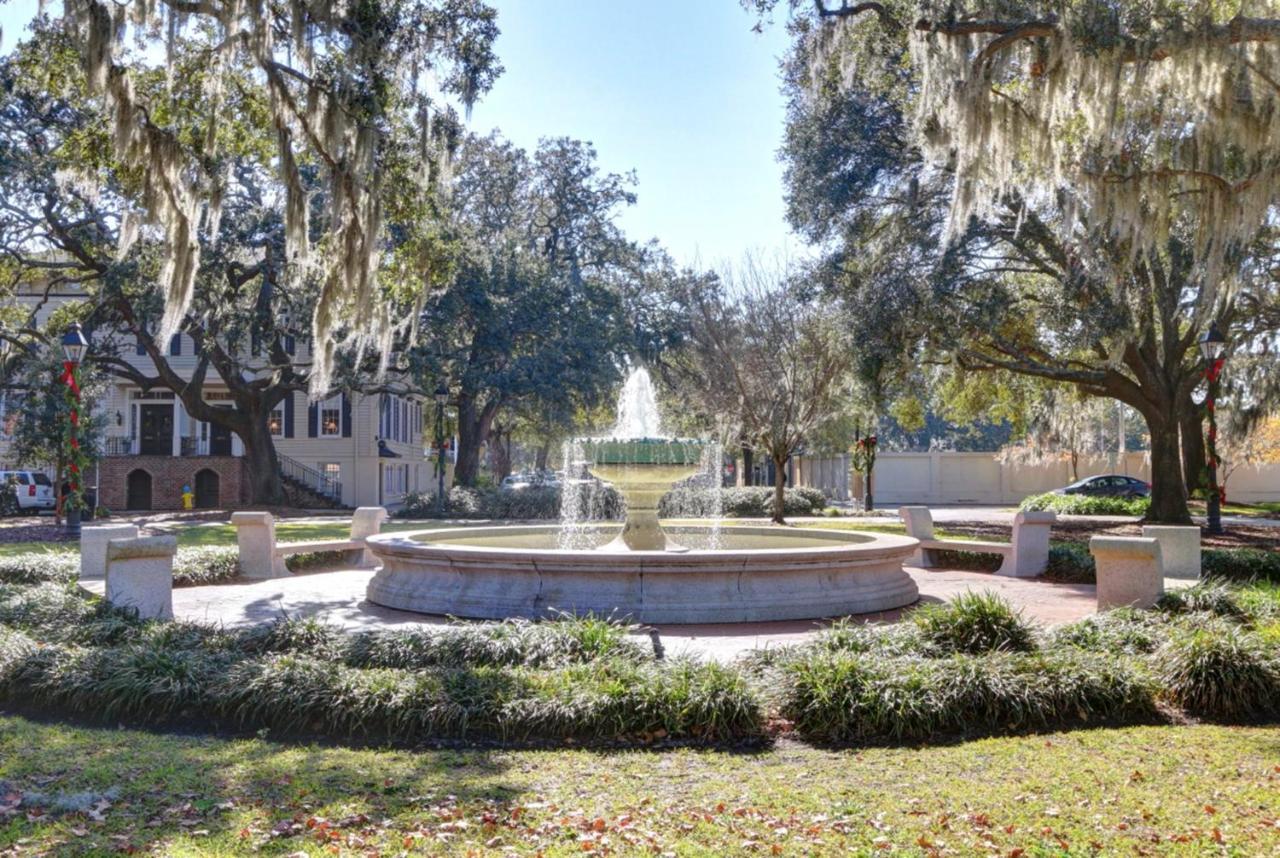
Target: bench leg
[(923, 558)]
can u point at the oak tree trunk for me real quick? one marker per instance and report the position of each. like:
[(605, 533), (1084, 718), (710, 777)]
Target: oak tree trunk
[(748, 464), (779, 489), (1168, 491), (1194, 471), (474, 424), (265, 485)]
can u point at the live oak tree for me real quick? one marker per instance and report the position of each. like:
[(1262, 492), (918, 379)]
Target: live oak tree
[(72, 216), (346, 85), (1066, 191), (546, 300)]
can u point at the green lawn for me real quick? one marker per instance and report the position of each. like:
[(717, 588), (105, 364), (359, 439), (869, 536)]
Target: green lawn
[(1146, 790)]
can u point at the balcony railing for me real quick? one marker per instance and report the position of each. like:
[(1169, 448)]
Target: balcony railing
[(120, 446)]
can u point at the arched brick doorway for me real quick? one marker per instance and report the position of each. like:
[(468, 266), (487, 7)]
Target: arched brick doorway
[(208, 486), (138, 490)]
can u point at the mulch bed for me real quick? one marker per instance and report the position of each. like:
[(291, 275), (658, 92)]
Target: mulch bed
[(1237, 535)]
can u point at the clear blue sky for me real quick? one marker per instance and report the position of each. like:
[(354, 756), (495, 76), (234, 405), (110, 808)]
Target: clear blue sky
[(681, 91)]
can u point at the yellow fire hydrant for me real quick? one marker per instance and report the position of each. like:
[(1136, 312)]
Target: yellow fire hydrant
[(188, 498)]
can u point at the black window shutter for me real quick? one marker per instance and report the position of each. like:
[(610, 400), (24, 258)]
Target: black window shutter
[(313, 420), (142, 350), (175, 345), (287, 405), (346, 416), (290, 344)]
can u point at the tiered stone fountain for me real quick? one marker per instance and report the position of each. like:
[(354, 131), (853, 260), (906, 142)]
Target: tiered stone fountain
[(640, 570)]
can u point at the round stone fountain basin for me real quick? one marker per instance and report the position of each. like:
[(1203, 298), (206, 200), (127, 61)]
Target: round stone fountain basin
[(758, 573)]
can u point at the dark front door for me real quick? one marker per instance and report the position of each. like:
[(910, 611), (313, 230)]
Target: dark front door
[(155, 430), (138, 490), (219, 440), (206, 489)]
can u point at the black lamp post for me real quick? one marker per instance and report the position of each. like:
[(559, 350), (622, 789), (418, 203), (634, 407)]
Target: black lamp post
[(74, 346), (1213, 346), (442, 396)]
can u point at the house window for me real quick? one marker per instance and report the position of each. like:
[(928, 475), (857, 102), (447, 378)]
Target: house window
[(331, 417), (332, 471), (275, 421)]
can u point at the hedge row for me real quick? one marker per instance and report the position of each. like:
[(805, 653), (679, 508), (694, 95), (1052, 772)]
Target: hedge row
[(971, 666), (976, 666), (739, 502), (193, 566), (533, 503), (1086, 504), (1072, 563), (582, 679), (612, 699)]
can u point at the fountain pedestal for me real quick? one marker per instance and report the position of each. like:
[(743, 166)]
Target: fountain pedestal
[(643, 470)]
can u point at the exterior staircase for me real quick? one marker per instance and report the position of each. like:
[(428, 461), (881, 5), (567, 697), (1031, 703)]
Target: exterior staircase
[(307, 487)]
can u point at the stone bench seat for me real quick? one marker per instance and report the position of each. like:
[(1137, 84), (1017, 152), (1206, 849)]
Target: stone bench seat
[(262, 557), (973, 547), (1025, 556)]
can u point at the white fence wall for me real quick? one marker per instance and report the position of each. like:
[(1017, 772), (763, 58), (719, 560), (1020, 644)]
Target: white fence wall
[(981, 478)]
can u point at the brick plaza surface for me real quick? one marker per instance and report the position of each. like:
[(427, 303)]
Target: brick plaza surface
[(337, 597)]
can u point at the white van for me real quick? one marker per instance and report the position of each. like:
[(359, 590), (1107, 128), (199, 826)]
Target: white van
[(33, 488)]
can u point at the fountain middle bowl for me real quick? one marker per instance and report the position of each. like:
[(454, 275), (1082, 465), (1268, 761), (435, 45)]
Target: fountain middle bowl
[(758, 574)]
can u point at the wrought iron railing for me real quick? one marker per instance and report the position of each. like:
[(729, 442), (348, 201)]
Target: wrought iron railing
[(124, 446), (310, 478)]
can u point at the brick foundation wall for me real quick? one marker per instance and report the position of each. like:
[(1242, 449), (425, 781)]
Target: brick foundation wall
[(168, 475)]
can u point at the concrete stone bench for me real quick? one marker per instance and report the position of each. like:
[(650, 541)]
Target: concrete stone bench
[(262, 557), (1130, 571), (1179, 549), (93, 547), (1025, 557), (140, 575)]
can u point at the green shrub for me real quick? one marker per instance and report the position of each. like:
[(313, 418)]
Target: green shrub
[(204, 565), (1123, 631), (191, 566), (852, 698), (1241, 564), (34, 567), (974, 623), (605, 700), (1086, 504), (1206, 596), (982, 561), (1071, 563), (1216, 669), (738, 502), (535, 503), (510, 643), (850, 636)]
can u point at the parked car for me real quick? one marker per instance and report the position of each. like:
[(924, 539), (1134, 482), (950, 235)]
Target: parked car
[(33, 489), (530, 480), (1108, 485)]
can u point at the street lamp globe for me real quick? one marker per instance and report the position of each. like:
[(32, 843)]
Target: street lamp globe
[(1212, 343), (74, 343), (442, 394)]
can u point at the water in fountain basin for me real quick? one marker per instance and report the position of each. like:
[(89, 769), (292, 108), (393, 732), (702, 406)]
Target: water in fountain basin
[(638, 415)]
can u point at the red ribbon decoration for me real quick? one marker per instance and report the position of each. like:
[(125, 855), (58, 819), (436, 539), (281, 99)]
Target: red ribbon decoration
[(69, 377)]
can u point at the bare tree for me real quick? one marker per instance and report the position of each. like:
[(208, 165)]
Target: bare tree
[(768, 356)]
